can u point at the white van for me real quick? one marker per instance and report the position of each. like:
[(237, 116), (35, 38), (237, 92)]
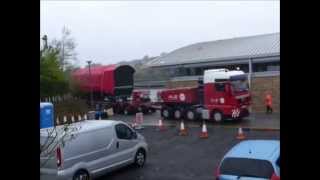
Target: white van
[(89, 149)]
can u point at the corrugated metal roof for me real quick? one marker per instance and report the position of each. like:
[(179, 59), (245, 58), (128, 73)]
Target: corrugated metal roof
[(228, 49)]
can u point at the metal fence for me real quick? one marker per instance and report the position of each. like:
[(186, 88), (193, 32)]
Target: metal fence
[(58, 98)]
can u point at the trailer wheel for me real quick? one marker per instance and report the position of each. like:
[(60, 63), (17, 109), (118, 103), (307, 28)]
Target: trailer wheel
[(126, 111), (166, 113), (217, 116), (191, 115), (177, 114), (145, 110)]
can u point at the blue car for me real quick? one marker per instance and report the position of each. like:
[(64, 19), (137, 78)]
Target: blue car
[(251, 160)]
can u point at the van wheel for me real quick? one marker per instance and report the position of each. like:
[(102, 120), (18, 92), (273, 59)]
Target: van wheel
[(177, 113), (81, 175), (140, 158), (217, 116)]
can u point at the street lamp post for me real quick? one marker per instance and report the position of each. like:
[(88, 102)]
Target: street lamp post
[(45, 42), (91, 92)]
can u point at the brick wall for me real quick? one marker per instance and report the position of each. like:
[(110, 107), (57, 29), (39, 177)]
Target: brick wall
[(258, 88)]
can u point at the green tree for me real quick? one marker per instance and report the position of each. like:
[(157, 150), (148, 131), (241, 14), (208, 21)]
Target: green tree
[(52, 79)]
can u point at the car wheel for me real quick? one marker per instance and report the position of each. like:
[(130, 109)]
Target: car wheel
[(140, 158), (217, 116), (191, 115), (81, 175), (139, 109)]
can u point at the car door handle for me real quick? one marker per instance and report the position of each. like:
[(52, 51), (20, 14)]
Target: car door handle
[(117, 144)]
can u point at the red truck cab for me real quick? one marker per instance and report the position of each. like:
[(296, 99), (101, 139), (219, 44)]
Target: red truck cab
[(226, 94)]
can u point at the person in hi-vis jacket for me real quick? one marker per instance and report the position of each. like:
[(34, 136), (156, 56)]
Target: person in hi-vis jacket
[(268, 103)]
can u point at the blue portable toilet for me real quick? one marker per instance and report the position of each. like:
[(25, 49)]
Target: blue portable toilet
[(46, 115)]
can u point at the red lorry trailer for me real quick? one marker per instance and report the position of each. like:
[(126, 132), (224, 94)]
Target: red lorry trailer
[(112, 86), (223, 95)]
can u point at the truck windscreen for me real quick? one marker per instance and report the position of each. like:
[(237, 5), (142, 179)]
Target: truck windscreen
[(240, 85)]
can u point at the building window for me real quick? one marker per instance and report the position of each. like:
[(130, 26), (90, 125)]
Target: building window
[(267, 66)]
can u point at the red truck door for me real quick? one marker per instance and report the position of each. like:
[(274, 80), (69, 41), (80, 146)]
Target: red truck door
[(215, 94)]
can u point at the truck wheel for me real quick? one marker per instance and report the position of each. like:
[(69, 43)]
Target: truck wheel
[(165, 113), (190, 115), (217, 116), (81, 175), (177, 113)]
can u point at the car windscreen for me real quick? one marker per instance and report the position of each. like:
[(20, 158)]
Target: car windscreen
[(246, 167)]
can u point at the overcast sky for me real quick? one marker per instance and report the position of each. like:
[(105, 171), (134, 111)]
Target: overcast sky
[(108, 32)]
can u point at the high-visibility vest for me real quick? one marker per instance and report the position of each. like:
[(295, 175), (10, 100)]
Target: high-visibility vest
[(268, 100)]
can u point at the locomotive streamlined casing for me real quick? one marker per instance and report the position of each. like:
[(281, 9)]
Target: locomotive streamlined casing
[(112, 80)]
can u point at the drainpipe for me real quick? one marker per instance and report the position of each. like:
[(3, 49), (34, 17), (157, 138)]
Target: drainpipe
[(250, 72), (249, 79)]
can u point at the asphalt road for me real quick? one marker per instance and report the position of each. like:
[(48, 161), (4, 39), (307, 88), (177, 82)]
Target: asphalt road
[(174, 157), (254, 121)]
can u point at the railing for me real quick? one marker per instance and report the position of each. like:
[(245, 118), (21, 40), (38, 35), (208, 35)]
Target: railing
[(58, 98)]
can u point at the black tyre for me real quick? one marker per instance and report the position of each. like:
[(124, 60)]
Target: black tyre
[(190, 115), (145, 110), (177, 114), (166, 113), (217, 116), (81, 175), (140, 158), (153, 110), (126, 111)]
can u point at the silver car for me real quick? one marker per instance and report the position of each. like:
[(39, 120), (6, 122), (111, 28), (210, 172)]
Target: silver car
[(88, 149)]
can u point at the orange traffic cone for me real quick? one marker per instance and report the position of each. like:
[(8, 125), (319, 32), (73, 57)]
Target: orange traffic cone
[(160, 125), (183, 130), (204, 132), (240, 134)]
